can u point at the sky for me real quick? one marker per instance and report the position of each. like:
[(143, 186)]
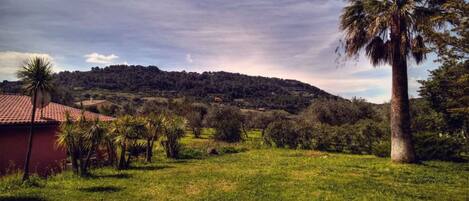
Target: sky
[(291, 39)]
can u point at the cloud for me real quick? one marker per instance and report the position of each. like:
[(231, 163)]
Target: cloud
[(11, 61), (189, 58), (292, 39), (100, 58)]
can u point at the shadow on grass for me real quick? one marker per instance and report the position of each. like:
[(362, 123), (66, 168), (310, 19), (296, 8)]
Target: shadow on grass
[(115, 176), (101, 189), (152, 167), (21, 198)]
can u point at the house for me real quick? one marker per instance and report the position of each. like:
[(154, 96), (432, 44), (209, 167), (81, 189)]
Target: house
[(15, 117)]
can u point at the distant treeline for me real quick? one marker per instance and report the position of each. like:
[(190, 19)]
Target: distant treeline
[(232, 88)]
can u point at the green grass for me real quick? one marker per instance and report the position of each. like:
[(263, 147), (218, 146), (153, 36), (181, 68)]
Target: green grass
[(255, 174)]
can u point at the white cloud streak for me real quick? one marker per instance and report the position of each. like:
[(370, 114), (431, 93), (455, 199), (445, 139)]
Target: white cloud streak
[(292, 39), (100, 58)]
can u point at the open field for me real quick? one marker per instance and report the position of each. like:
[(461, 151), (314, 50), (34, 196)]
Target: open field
[(255, 174)]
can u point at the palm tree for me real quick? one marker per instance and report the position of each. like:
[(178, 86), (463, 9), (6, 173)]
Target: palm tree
[(36, 76), (127, 130), (391, 32), (154, 126), (174, 129)]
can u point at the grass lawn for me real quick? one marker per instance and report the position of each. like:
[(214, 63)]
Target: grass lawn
[(255, 174)]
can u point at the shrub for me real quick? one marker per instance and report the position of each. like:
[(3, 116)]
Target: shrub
[(282, 134), (173, 131), (231, 150), (432, 145), (428, 146), (339, 112), (382, 148), (227, 123), (189, 153)]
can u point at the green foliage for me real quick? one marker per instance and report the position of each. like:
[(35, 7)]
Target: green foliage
[(282, 134), (437, 146), (174, 130), (338, 112), (14, 182), (195, 117), (231, 149), (127, 130), (191, 153), (446, 91), (36, 75), (81, 139), (255, 92), (227, 123), (382, 148)]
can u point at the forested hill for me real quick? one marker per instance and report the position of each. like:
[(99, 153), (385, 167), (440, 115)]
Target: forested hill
[(234, 88)]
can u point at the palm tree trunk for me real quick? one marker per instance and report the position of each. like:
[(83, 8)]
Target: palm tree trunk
[(73, 158), (30, 140), (149, 150), (87, 160), (402, 149), (121, 162)]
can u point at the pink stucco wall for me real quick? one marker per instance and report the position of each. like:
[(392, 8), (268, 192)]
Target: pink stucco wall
[(46, 157)]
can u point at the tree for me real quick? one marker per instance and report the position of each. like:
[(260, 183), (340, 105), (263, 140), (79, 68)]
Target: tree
[(154, 128), (446, 91), (195, 117), (174, 129), (81, 139), (262, 120), (127, 130), (227, 123), (36, 76), (391, 32)]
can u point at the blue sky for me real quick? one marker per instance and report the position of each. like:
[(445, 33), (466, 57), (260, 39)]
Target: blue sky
[(292, 39)]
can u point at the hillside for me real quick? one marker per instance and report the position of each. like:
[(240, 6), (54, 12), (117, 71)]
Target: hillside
[(232, 88)]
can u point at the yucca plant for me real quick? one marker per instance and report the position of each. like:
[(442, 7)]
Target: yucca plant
[(81, 139), (174, 129), (127, 131), (36, 76), (154, 128)]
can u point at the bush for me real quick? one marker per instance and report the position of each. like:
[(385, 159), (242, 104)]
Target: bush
[(356, 138), (227, 123), (382, 148), (189, 153), (338, 111), (431, 145), (282, 134), (231, 150), (289, 133)]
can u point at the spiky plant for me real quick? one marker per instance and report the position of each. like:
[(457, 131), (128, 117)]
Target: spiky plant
[(174, 129), (154, 128), (36, 76), (390, 32), (81, 139)]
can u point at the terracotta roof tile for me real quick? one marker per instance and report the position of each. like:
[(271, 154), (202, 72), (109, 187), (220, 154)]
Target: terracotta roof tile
[(16, 109)]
